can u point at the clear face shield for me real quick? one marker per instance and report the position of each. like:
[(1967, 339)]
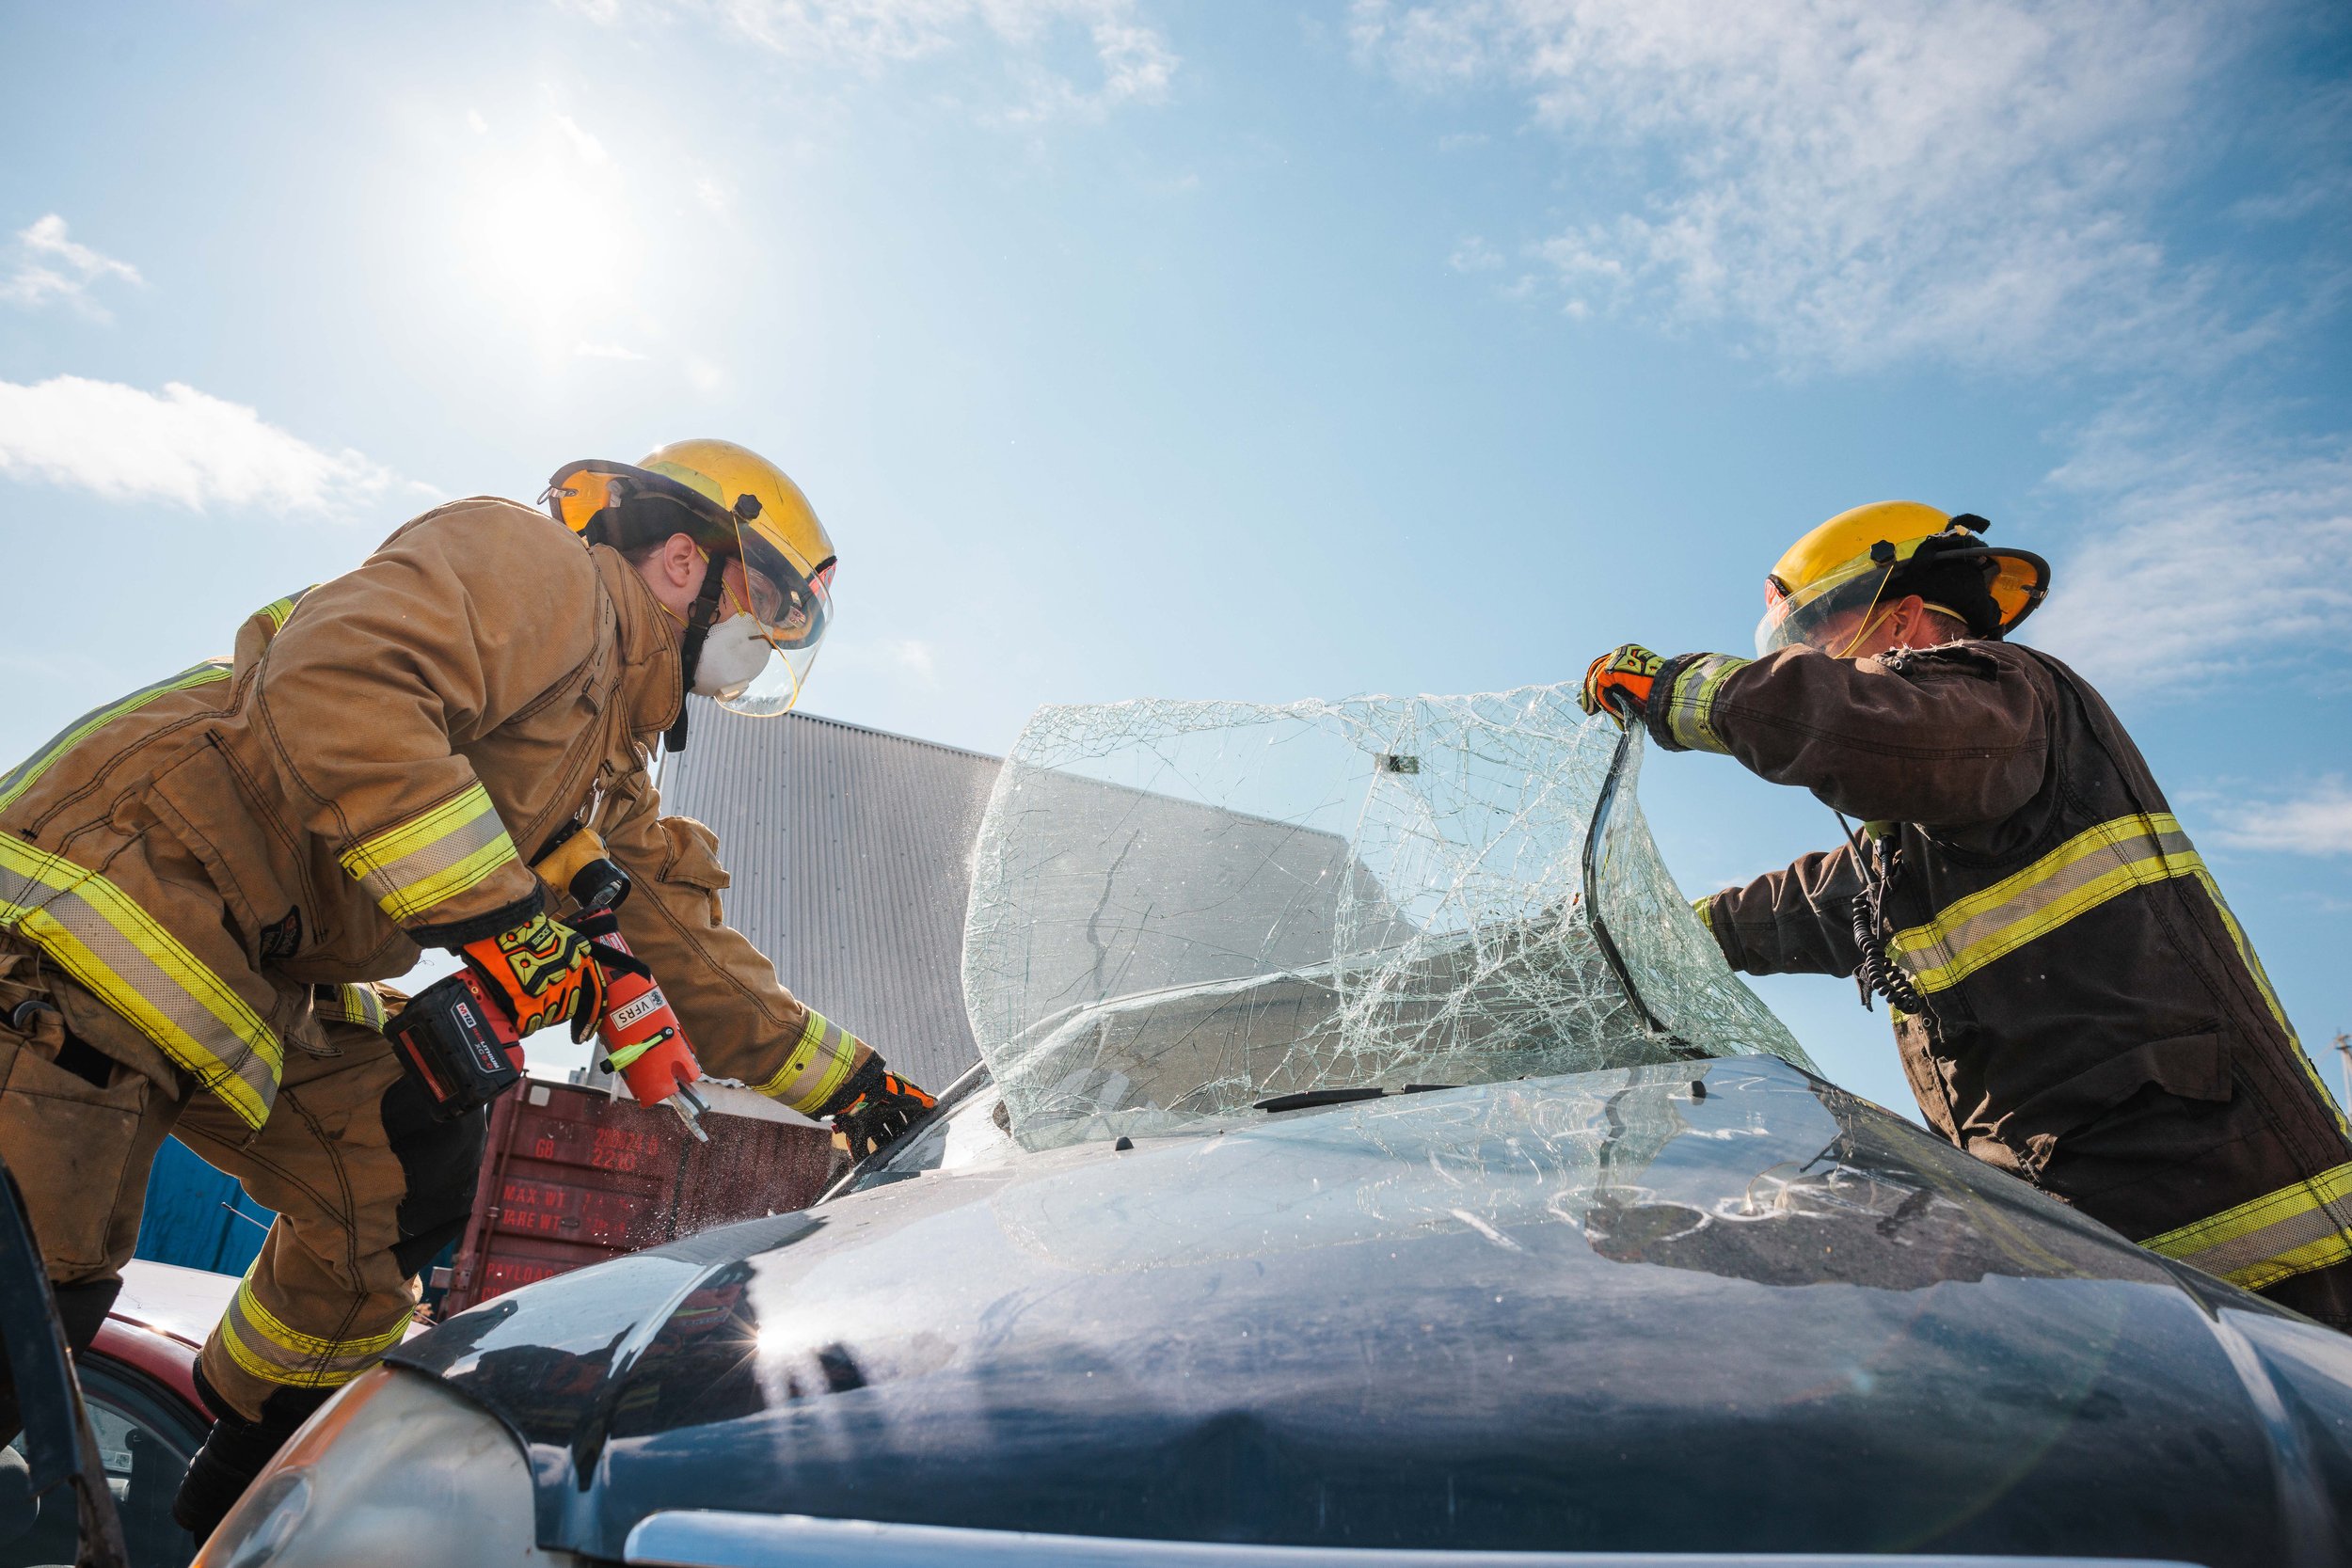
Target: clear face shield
[(1825, 614), (788, 612)]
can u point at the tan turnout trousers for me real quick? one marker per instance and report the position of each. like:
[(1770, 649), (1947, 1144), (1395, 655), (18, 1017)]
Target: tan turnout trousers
[(356, 1199)]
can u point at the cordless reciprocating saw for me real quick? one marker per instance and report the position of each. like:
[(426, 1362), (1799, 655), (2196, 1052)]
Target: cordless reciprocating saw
[(463, 1048)]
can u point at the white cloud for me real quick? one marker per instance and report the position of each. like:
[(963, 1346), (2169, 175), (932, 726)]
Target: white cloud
[(1857, 181), (1132, 60), (915, 659), (2217, 552), (2316, 822), (585, 350), (1474, 255), (910, 660), (52, 268), (180, 446), (590, 150)]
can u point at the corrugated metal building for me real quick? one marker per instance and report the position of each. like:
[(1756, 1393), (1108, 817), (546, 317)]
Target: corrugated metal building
[(851, 851)]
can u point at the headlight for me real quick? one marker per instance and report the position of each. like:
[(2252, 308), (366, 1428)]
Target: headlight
[(395, 1471)]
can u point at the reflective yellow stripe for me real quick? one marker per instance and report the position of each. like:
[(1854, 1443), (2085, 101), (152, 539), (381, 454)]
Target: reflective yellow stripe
[(1691, 705), (819, 1061), (125, 957), (2081, 874), (360, 1004), (264, 1347), (279, 611), (2281, 1234), (25, 774), (2270, 999), (432, 857)]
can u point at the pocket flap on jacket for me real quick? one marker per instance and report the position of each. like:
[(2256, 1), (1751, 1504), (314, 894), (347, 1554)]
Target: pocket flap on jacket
[(692, 856), (204, 803), (2193, 1067)]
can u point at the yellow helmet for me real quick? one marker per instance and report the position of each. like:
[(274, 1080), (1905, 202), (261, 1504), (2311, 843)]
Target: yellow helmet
[(1886, 550), (735, 504)]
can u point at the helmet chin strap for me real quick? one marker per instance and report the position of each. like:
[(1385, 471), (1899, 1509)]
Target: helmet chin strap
[(699, 617)]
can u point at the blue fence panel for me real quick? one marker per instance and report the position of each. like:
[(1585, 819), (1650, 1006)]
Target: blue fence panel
[(197, 1217)]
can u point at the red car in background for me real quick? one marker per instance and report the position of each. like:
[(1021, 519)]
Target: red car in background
[(138, 1381)]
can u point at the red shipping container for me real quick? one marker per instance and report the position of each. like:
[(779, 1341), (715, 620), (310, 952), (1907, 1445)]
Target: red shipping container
[(572, 1176)]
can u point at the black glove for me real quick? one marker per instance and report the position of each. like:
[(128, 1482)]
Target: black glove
[(876, 1106)]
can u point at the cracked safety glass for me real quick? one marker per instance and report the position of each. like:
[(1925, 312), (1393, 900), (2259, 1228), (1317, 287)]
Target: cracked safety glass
[(1181, 909)]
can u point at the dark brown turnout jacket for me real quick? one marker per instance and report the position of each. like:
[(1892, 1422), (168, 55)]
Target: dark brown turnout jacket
[(2095, 1020)]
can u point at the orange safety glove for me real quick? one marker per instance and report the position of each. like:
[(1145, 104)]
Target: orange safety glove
[(874, 1109), (542, 972), (1618, 681)]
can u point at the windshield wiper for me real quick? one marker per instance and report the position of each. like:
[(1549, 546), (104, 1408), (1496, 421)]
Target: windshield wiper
[(1308, 1098)]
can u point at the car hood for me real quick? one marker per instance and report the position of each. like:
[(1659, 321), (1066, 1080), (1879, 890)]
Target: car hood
[(1703, 1306)]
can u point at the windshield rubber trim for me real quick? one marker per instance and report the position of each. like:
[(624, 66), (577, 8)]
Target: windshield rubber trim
[(1595, 835)]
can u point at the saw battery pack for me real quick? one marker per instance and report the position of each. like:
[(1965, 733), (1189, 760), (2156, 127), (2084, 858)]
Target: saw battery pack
[(458, 1044)]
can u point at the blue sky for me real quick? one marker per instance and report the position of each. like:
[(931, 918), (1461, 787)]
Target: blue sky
[(1142, 347)]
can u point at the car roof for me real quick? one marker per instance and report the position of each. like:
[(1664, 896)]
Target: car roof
[(182, 1303)]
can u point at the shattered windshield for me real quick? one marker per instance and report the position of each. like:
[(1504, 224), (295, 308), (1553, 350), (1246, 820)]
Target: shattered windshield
[(1181, 909)]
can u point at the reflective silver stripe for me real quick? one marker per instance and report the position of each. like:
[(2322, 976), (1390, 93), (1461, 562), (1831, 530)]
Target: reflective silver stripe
[(359, 1005), (821, 1060), (1690, 706), (27, 773), (262, 1346), (125, 958), (2293, 1231), (419, 864), (2081, 874)]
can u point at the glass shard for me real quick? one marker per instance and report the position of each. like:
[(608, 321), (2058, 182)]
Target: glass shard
[(1180, 909)]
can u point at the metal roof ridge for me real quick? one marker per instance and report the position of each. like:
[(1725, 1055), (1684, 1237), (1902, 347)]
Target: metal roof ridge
[(893, 734)]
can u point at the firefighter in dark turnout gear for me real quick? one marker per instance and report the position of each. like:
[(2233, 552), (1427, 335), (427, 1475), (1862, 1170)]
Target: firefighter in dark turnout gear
[(2073, 998)]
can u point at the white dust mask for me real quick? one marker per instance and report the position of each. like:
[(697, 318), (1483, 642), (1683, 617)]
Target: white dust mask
[(733, 653)]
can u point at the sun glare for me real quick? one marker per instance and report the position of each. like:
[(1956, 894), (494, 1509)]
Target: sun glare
[(555, 237)]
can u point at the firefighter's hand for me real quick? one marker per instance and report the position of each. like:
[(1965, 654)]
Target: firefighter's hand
[(1619, 683), (542, 972), (885, 1107)]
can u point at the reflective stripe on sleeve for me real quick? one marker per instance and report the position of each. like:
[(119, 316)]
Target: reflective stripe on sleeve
[(1691, 705), (412, 869), (280, 610), (264, 1347), (122, 955), (27, 773), (2081, 874), (360, 1004), (819, 1061), (2274, 1237)]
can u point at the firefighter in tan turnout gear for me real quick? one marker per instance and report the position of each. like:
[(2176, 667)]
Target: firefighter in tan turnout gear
[(201, 882), (2074, 1001)]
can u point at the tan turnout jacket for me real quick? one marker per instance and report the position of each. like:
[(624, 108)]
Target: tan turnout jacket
[(369, 773)]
